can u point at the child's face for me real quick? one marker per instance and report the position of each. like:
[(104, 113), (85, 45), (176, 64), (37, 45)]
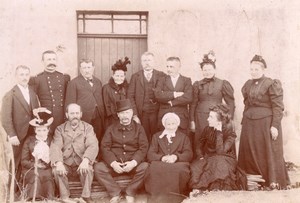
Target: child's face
[(42, 131)]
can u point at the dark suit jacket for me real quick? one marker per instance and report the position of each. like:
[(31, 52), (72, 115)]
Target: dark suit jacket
[(16, 113), (165, 93), (136, 90), (89, 98)]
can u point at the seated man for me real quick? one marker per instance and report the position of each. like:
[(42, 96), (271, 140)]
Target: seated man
[(73, 152), (124, 147)]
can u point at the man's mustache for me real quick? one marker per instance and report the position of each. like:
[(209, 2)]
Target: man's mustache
[(51, 64)]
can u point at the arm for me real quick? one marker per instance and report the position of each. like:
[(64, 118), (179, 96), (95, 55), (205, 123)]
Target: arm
[(141, 153), (153, 153), (187, 96), (27, 160), (195, 101), (186, 154), (131, 93), (106, 144), (71, 93), (91, 144), (228, 96), (107, 101), (223, 146), (161, 94), (56, 146), (200, 144), (7, 115), (276, 97)]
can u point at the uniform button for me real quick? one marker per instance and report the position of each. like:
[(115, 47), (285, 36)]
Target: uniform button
[(124, 153), (53, 100), (48, 77), (124, 145), (59, 85), (60, 90), (61, 95), (58, 80), (49, 81), (123, 136), (50, 86), (61, 99), (51, 95), (53, 104), (57, 76), (50, 90)]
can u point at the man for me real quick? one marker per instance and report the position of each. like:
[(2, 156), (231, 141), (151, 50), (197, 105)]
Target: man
[(124, 148), (140, 92), (73, 151), (50, 87), (86, 91), (17, 106), (174, 93)]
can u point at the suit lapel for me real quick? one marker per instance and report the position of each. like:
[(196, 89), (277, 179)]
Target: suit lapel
[(86, 84), (179, 83), (141, 78), (169, 83), (18, 94), (33, 99)]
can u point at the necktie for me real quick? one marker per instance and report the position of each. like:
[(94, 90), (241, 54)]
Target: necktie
[(148, 76), (90, 81)]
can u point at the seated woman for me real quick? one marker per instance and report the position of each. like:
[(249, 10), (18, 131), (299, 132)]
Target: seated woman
[(36, 152), (215, 167), (169, 155)]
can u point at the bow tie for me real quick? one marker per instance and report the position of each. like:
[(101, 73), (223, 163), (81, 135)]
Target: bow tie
[(125, 127)]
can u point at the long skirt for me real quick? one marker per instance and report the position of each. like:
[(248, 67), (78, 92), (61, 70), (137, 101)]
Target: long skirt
[(259, 154), (216, 172), (45, 183), (165, 178)]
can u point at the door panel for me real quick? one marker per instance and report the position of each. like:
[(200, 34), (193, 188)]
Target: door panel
[(105, 51)]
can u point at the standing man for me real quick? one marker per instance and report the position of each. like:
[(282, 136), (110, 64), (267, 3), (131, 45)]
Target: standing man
[(72, 152), (50, 87), (140, 93), (124, 148), (174, 92), (17, 106), (86, 91)]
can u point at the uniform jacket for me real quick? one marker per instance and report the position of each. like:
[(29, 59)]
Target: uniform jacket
[(165, 93), (16, 113), (50, 88), (136, 90), (70, 146), (180, 146), (124, 143), (89, 98)]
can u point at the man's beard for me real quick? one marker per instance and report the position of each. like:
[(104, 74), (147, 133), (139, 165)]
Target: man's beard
[(74, 122)]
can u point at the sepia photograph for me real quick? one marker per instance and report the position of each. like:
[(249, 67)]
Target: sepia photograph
[(149, 101)]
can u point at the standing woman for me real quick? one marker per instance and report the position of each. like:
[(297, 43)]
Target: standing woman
[(261, 150), (208, 92), (115, 90)]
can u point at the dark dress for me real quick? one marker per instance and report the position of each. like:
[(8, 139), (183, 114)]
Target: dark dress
[(206, 93), (45, 181), (111, 94), (258, 153), (163, 178), (217, 168)]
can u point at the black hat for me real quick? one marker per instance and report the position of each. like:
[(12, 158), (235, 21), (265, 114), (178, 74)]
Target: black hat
[(123, 105), (43, 117), (209, 58), (260, 59), (121, 65)]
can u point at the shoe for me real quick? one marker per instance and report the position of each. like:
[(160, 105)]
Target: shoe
[(115, 199), (88, 199), (129, 199)]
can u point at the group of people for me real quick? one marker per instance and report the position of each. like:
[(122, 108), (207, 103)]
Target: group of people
[(66, 129)]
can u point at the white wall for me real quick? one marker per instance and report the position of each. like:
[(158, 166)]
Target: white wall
[(235, 30)]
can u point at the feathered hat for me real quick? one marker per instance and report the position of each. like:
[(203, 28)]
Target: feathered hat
[(121, 64), (43, 117), (209, 58)]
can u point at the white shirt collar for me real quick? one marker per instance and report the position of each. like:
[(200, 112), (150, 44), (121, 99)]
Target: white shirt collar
[(25, 93)]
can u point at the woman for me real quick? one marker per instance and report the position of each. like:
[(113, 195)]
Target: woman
[(215, 167), (169, 155), (115, 90), (207, 92), (261, 150), (36, 151)]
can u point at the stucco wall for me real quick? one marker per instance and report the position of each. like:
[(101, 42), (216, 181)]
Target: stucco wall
[(235, 30)]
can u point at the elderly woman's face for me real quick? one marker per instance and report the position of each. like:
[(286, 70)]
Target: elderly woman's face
[(256, 70), (171, 124), (118, 77), (208, 71)]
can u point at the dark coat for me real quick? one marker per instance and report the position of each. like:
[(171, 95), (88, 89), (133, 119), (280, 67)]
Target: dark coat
[(165, 93), (124, 143), (81, 92), (16, 113), (136, 90), (50, 88)]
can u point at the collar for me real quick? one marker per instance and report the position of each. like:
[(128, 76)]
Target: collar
[(175, 78), (68, 126), (125, 127), (113, 85), (88, 79), (148, 71), (258, 79), (22, 88)]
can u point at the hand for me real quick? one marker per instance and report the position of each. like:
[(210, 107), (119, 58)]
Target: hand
[(84, 166), (136, 119), (129, 165), (173, 158), (117, 167), (169, 158), (170, 102), (14, 140), (274, 133), (192, 126), (41, 165), (178, 94), (60, 168)]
